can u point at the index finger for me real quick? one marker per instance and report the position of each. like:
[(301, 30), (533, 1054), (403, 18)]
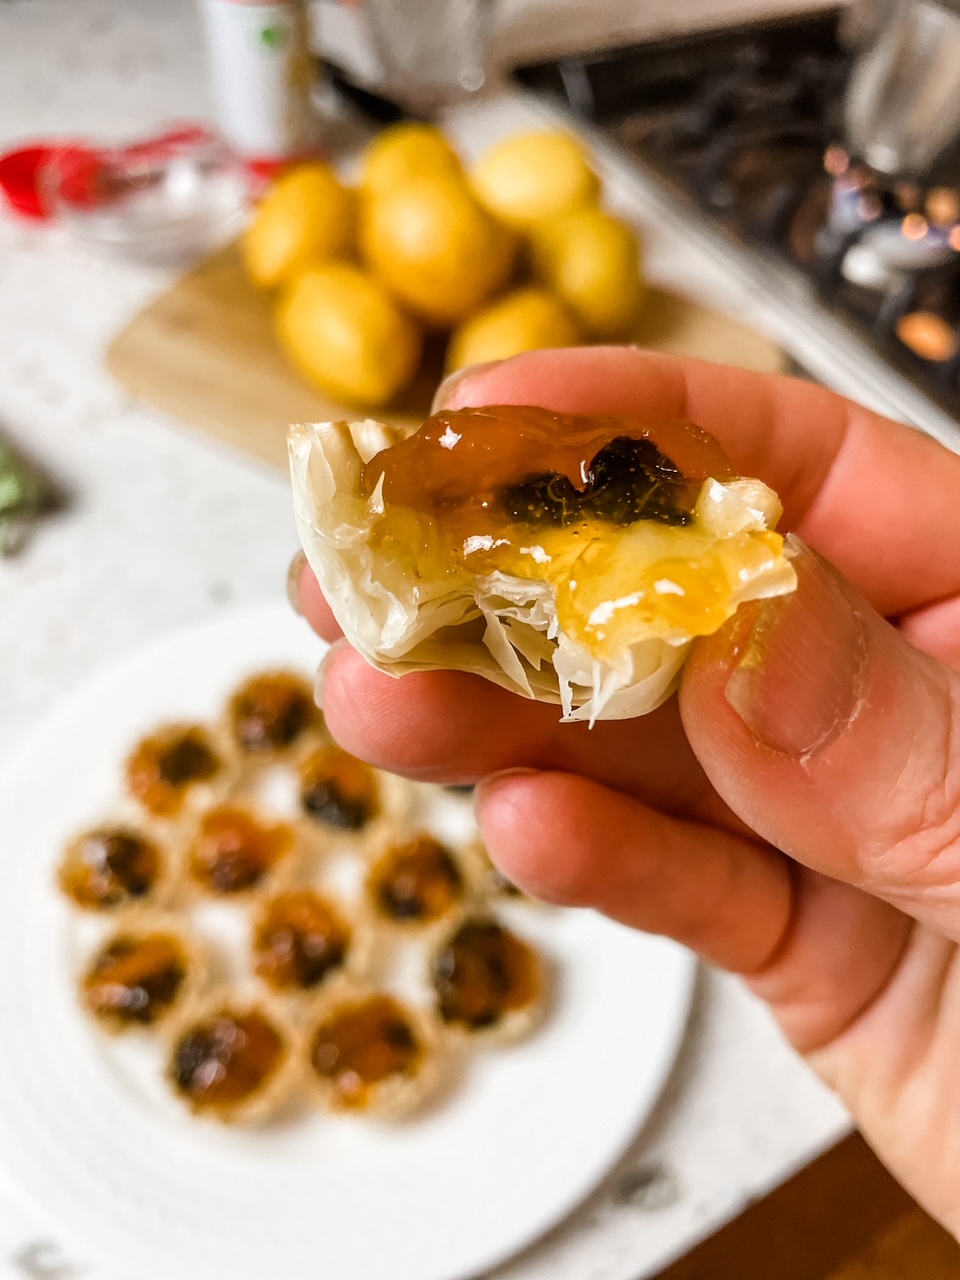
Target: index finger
[(852, 482)]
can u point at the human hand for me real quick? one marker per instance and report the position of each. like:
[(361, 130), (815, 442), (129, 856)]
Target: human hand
[(794, 815)]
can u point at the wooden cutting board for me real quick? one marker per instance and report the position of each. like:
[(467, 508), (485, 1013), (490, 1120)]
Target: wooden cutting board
[(843, 1217), (205, 352)]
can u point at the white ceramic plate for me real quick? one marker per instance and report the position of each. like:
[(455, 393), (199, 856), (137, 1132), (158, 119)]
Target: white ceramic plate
[(87, 1132)]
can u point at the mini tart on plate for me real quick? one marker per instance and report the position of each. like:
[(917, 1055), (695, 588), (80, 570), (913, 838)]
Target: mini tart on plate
[(370, 1052), (415, 881), (233, 852), (178, 769), (114, 866), (233, 1058), (142, 974), (271, 715), (302, 939), (489, 984), (568, 559), (491, 881), (345, 799)]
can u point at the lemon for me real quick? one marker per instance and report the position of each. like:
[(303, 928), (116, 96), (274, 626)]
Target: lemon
[(534, 176), (524, 320), (346, 335), (307, 216), (406, 151), (592, 262), (433, 246)]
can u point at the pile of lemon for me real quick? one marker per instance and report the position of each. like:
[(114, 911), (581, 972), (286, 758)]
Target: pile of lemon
[(514, 255)]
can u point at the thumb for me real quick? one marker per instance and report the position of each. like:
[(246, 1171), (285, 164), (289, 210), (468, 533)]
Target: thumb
[(835, 740)]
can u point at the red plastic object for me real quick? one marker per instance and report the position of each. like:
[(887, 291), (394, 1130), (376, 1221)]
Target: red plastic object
[(20, 178), (80, 168)]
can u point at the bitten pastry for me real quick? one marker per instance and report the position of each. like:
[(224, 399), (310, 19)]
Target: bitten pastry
[(568, 559)]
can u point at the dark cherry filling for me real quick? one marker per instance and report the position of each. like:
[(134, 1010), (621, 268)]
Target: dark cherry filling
[(628, 480), (163, 767), (482, 973), (188, 759), (337, 790), (271, 712), (298, 940), (415, 881), (232, 851), (223, 1061), (363, 1044), (466, 458), (109, 867), (135, 980)]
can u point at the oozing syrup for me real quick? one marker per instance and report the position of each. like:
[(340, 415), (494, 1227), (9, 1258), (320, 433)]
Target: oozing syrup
[(232, 850), (362, 1044), (271, 712), (224, 1060), (467, 457), (162, 768), (299, 939), (109, 868), (337, 790), (603, 510), (415, 881), (483, 973), (134, 981)]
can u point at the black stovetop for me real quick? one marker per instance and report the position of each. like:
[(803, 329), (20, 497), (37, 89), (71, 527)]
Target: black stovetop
[(747, 124)]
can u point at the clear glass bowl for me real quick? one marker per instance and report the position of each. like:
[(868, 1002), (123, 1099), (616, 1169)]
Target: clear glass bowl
[(168, 200)]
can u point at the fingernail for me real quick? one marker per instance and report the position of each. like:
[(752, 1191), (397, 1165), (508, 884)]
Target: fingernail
[(327, 661), (446, 389), (294, 574), (798, 661), (493, 779)]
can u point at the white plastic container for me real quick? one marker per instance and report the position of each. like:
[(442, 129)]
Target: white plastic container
[(262, 77)]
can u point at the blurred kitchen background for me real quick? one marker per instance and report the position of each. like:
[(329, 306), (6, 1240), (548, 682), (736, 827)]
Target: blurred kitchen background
[(792, 174)]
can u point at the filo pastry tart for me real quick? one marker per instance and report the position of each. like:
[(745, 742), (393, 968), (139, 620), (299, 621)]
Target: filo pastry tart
[(302, 939), (270, 715), (233, 1058), (370, 1052), (489, 984), (140, 975), (569, 559), (114, 866)]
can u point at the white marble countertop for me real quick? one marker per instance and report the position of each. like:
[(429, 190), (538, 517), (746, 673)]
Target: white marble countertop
[(166, 529)]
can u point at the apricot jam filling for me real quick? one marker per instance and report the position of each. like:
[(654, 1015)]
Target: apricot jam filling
[(483, 973), (233, 850), (110, 867), (299, 939), (337, 790), (614, 515), (162, 768), (271, 712), (362, 1044), (221, 1062), (134, 981), (415, 881)]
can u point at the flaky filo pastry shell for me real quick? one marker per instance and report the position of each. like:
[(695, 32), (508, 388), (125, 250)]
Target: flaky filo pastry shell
[(501, 627)]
